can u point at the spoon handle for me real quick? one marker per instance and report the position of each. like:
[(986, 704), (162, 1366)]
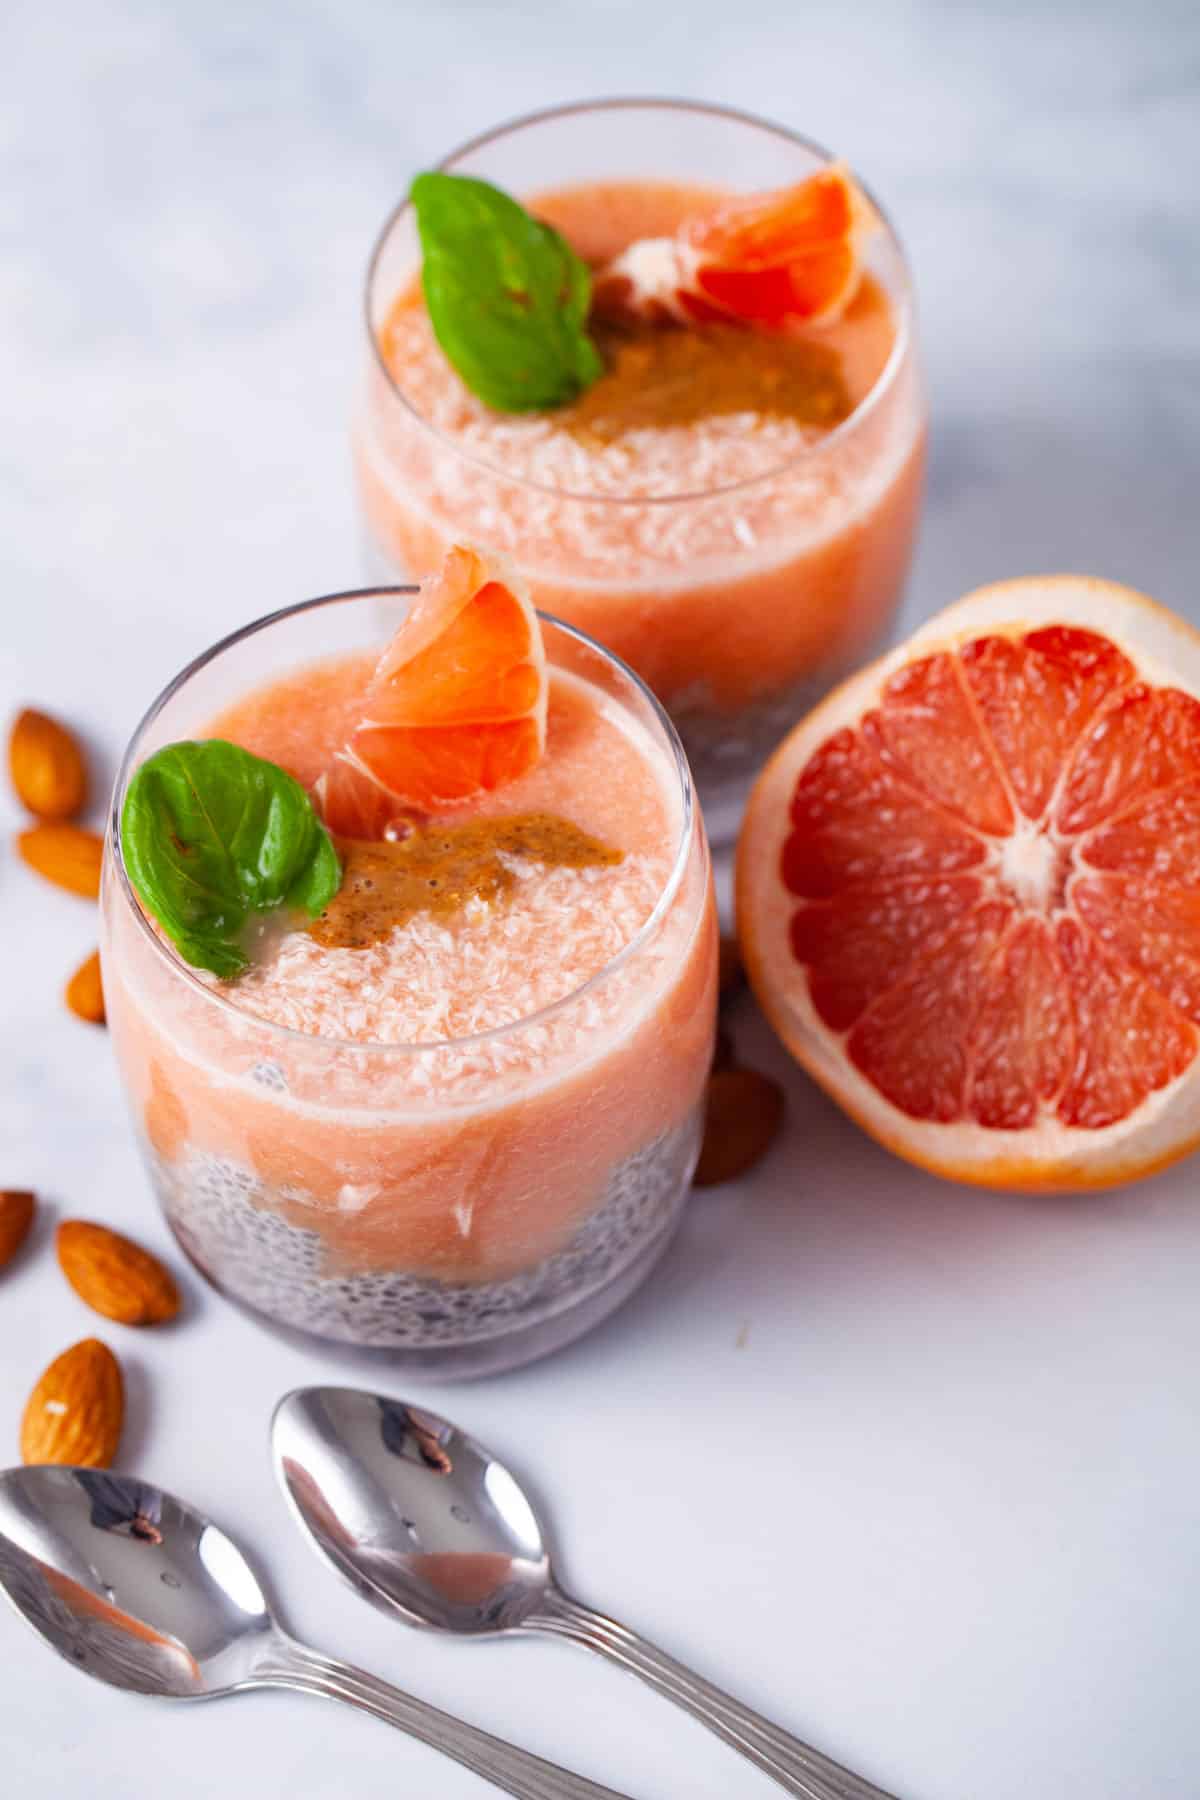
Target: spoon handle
[(293, 1665), (797, 1768)]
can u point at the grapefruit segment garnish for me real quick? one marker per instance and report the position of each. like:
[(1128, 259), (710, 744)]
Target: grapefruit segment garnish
[(456, 706), (792, 256), (351, 801), (968, 889)]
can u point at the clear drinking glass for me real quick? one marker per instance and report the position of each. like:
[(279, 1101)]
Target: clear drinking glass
[(462, 1205), (739, 603)]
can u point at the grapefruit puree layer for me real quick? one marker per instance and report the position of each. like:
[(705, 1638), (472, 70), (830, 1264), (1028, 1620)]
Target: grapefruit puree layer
[(469, 1159), (720, 600)]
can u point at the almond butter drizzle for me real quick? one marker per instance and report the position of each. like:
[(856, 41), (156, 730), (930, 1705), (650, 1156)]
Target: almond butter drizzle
[(439, 868), (664, 376)]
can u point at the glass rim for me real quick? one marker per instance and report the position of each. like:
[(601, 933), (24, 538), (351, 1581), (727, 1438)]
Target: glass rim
[(883, 384), (169, 955)]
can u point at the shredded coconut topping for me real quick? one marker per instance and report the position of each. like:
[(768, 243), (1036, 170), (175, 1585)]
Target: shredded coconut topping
[(436, 979), (807, 495)]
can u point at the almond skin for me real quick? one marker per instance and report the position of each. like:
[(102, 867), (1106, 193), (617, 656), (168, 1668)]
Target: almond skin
[(47, 766), (115, 1276), (85, 991), (742, 1118), (16, 1216), (67, 855), (75, 1413)]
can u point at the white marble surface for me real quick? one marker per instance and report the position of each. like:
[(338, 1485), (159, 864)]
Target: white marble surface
[(914, 1470)]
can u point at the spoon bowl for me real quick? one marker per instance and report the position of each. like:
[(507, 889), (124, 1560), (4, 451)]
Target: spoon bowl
[(135, 1587), (416, 1515), (129, 1584)]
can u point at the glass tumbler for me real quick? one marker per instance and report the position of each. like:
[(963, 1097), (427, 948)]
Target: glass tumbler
[(461, 1205), (739, 599)]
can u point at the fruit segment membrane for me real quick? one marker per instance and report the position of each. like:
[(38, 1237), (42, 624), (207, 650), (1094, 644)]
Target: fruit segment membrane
[(998, 870)]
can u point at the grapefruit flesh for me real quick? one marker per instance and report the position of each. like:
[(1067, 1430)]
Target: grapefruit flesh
[(774, 258), (969, 888), (456, 707)]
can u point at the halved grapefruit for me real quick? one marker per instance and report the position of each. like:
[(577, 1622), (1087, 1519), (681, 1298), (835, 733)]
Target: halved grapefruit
[(456, 707), (968, 889)]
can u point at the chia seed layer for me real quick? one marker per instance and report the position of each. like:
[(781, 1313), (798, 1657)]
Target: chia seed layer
[(230, 1224)]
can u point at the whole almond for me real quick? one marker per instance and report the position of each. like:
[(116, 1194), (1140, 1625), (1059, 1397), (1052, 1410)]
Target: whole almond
[(67, 855), (85, 991), (75, 1413), (47, 766), (16, 1216), (742, 1117), (115, 1276)]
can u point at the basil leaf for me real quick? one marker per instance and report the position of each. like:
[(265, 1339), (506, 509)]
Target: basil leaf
[(212, 837), (507, 296)]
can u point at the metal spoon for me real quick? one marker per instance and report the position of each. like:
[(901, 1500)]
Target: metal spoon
[(134, 1587), (422, 1520)]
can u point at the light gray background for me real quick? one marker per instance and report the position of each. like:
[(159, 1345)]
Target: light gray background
[(913, 1469)]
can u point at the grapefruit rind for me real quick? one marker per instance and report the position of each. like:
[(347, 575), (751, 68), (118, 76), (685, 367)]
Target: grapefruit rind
[(1047, 1156)]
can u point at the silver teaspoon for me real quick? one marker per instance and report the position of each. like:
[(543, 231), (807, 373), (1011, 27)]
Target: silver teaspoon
[(134, 1587), (422, 1520)]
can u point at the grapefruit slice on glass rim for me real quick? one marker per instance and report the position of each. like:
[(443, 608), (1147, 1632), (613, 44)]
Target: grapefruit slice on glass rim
[(455, 708), (968, 889), (792, 256)]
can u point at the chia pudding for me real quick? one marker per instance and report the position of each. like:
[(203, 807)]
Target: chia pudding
[(739, 546), (462, 1139)]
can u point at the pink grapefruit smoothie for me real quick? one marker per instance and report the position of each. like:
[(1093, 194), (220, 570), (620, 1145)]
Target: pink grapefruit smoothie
[(345, 1135), (736, 558)]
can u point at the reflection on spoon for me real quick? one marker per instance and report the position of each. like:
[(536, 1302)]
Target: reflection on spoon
[(136, 1588), (460, 1549)]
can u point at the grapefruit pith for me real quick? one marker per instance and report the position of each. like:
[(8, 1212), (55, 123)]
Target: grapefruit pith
[(968, 889)]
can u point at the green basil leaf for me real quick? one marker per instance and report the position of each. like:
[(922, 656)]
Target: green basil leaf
[(507, 296), (212, 838)]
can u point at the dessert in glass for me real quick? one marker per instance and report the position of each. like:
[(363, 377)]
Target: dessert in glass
[(731, 505), (451, 1111)]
